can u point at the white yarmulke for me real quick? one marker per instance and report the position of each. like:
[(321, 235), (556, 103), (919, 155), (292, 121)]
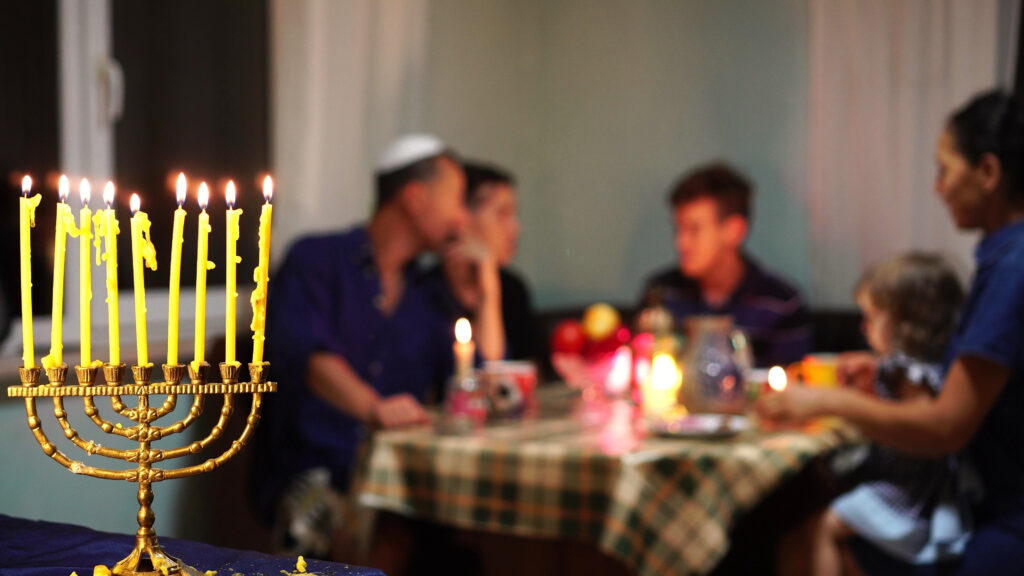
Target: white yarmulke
[(407, 150)]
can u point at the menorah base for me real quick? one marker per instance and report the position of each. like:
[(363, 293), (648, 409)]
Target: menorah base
[(149, 559)]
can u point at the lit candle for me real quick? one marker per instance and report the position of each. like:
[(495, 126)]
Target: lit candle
[(464, 348), (661, 390), (27, 216), (65, 223), (143, 254), (177, 238), (232, 282), (777, 378), (202, 265), (85, 273), (261, 275), (107, 228)]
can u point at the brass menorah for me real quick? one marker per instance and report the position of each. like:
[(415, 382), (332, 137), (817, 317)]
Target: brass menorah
[(148, 557)]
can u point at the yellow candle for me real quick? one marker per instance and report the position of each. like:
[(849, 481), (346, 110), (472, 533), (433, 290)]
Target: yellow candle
[(202, 265), (662, 389), (176, 240), (27, 215), (143, 255), (261, 275), (65, 225), (85, 274), (464, 348), (107, 228), (232, 281)]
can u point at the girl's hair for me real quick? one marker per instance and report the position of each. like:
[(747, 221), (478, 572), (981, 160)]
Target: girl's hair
[(993, 123), (921, 294)]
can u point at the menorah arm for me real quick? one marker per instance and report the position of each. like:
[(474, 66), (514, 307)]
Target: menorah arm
[(118, 405), (199, 446), (236, 446), (94, 414), (51, 450), (168, 406), (194, 412), (89, 447)]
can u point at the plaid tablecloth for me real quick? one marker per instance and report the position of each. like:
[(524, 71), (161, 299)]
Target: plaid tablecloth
[(662, 505)]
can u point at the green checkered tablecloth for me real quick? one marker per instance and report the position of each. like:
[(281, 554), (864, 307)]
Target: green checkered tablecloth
[(662, 505)]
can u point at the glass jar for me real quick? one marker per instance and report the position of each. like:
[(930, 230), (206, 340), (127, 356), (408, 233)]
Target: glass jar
[(465, 404), (714, 366)]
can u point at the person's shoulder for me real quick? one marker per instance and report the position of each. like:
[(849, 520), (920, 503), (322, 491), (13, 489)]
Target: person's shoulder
[(668, 277), (767, 283), (318, 248)]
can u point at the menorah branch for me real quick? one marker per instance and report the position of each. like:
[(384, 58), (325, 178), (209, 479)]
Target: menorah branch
[(196, 447), (194, 412), (236, 446), (73, 465), (89, 447), (105, 425)]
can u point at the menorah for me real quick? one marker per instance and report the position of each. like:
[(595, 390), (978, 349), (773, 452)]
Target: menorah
[(148, 557)]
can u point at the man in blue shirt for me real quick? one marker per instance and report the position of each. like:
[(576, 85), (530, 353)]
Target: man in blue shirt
[(356, 338), (711, 210)]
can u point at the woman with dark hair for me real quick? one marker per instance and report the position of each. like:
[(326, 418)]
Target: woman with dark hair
[(980, 161), (493, 230)]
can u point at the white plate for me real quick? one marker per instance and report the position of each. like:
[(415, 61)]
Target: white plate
[(700, 426)]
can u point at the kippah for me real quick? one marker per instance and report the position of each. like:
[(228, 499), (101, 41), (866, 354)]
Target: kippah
[(409, 149)]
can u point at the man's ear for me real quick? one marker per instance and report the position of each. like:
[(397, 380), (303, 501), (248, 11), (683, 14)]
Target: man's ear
[(413, 197), (990, 169), (736, 228)]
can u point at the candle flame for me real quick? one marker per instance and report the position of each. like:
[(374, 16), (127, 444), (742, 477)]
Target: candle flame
[(204, 196), (135, 203), (229, 194), (63, 187), (268, 188), (665, 372), (84, 191), (777, 378), (463, 331), (182, 187), (26, 185), (108, 193)]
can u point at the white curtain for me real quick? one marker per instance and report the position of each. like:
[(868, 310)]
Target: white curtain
[(884, 76), (347, 77)]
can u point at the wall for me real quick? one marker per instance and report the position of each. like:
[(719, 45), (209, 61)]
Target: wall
[(598, 111)]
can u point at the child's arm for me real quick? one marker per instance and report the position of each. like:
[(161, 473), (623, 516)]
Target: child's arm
[(922, 426)]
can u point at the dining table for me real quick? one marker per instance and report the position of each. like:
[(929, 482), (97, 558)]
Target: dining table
[(660, 498)]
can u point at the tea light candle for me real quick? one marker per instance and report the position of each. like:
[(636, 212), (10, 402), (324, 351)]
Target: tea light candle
[(777, 378), (464, 348)]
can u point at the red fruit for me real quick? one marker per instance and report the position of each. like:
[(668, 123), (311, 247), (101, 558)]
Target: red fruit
[(568, 337), (608, 344)]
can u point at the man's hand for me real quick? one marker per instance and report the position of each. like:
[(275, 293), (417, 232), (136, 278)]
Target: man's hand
[(857, 370), (399, 410)]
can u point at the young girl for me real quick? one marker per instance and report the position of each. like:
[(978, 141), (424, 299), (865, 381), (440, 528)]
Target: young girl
[(910, 507)]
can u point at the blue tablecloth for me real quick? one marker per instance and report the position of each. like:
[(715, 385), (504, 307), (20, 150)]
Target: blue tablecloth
[(36, 548)]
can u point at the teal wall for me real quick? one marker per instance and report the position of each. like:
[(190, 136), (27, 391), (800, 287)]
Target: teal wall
[(599, 107)]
